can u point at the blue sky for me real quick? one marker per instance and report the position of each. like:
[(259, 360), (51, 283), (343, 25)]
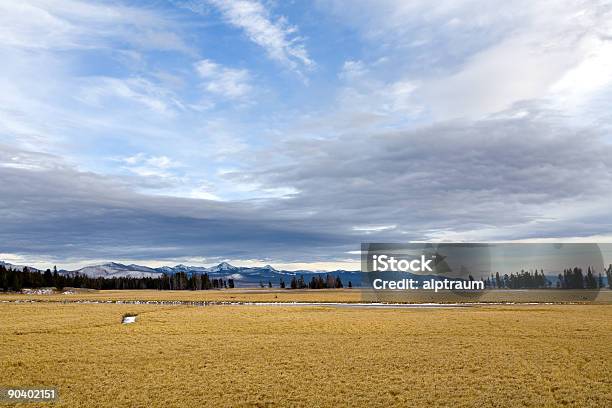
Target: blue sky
[(289, 132)]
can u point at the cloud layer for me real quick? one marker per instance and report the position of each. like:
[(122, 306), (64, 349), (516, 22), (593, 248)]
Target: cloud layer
[(486, 180), (289, 132)]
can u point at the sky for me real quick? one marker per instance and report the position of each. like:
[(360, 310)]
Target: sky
[(288, 132)]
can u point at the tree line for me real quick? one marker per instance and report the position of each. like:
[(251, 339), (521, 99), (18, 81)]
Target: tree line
[(571, 278), (576, 279), (316, 282), (15, 279)]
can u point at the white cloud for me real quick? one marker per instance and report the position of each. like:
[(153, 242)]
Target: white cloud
[(204, 192), (365, 100), (147, 166), (588, 77), (494, 79), (161, 162), (352, 70), (558, 53), (278, 38), (400, 23), (227, 82), (163, 176), (474, 58), (72, 24), (59, 59), (96, 90), (374, 228)]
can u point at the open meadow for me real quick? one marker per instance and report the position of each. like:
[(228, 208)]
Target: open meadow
[(320, 295), (194, 356)]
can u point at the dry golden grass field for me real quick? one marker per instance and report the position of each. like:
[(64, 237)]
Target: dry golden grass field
[(322, 295), (195, 356)]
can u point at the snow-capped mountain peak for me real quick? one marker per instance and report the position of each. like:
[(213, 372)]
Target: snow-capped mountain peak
[(222, 267), (247, 276), (17, 267), (118, 270)]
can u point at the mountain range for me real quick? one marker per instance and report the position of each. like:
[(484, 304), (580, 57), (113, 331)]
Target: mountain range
[(244, 276), (18, 267)]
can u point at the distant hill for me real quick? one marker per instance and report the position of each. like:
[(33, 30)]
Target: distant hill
[(244, 276), (18, 267), (116, 270)]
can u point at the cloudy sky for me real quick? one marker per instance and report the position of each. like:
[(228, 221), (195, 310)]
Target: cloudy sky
[(288, 132)]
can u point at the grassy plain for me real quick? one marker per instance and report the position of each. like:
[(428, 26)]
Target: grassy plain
[(225, 295), (190, 356), (323, 295)]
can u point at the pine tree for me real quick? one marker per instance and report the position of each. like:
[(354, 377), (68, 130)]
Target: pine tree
[(48, 278), (58, 281), (4, 282), (590, 281), (16, 282), (206, 282)]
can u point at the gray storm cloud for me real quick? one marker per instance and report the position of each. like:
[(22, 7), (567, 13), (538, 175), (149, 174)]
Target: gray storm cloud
[(491, 179), (516, 178), (54, 210)]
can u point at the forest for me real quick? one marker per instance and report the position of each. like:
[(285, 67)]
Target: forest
[(571, 278), (15, 280)]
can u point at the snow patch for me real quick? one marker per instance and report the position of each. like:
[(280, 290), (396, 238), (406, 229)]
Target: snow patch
[(128, 319), (37, 291)]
